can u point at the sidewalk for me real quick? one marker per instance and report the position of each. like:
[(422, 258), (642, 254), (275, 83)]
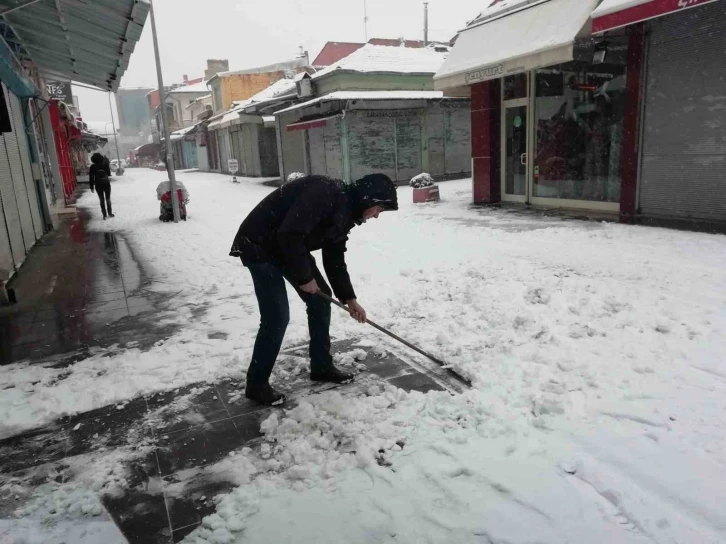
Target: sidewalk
[(155, 460), (77, 290)]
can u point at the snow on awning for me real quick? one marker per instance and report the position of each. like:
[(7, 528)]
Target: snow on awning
[(367, 95), (535, 36), (612, 14), (312, 123)]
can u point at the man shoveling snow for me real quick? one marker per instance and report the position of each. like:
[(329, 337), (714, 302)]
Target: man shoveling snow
[(274, 243)]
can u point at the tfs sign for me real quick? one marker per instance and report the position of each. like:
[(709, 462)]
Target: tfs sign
[(60, 90)]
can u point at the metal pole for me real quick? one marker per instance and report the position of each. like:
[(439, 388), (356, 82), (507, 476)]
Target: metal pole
[(365, 19), (165, 120), (113, 125), (426, 24)]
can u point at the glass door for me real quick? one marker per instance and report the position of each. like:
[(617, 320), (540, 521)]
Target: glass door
[(515, 158)]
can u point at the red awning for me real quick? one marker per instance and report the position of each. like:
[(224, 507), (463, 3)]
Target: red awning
[(312, 123), (641, 12)]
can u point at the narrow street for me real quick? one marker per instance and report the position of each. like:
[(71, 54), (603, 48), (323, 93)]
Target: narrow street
[(568, 415), (400, 273)]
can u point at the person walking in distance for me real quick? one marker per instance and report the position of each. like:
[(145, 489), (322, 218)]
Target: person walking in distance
[(274, 243), (99, 178)]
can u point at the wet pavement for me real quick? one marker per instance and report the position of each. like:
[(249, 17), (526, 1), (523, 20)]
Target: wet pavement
[(81, 290), (171, 442), (77, 290)]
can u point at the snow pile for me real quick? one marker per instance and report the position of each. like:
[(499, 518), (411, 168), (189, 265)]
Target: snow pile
[(422, 180), (294, 176), (328, 435), (595, 351), (385, 59), (55, 501)]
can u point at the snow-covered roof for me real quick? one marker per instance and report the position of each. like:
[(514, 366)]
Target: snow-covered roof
[(229, 117), (179, 134), (368, 95), (200, 87), (291, 64), (281, 87), (386, 59), (200, 99), (613, 6), (499, 7)]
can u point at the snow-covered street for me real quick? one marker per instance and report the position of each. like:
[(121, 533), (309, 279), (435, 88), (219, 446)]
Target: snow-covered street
[(595, 350)]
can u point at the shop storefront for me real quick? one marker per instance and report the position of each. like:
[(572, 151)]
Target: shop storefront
[(683, 106), (547, 123), (612, 106), (400, 134)]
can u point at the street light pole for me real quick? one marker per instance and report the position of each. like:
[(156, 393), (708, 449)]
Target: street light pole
[(165, 120), (113, 125), (105, 130)]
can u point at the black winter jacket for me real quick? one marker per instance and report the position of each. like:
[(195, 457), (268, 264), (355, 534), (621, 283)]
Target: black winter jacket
[(93, 174), (304, 215)]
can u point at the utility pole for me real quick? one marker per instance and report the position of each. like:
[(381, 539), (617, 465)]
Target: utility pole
[(426, 24), (165, 121), (365, 19), (115, 135)]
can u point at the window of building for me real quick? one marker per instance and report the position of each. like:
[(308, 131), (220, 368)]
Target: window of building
[(515, 86), (579, 123)]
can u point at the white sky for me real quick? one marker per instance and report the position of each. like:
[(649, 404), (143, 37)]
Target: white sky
[(252, 33)]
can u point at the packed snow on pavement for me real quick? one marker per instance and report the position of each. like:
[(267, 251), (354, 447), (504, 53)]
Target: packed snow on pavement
[(598, 407)]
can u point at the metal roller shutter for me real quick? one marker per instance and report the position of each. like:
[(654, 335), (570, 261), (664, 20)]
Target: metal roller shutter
[(269, 165), (372, 145), (7, 261), (224, 153), (333, 152), (684, 130), (31, 187), (458, 140), (16, 169), (250, 149), (316, 151), (436, 135), (408, 147)]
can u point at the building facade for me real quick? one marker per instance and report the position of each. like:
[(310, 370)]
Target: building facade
[(607, 106), (376, 111), (134, 117)]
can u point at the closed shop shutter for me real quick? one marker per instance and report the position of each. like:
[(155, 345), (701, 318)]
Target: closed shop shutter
[(684, 129), (269, 165), (31, 187), (223, 149), (235, 152), (408, 143), (333, 152), (457, 140), (250, 150), (435, 132), (18, 177), (372, 145), (316, 151), (11, 238), (190, 154)]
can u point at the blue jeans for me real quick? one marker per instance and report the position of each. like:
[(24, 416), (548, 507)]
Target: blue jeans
[(269, 281)]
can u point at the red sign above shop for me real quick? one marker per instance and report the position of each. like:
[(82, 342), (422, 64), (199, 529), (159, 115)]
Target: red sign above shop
[(642, 12)]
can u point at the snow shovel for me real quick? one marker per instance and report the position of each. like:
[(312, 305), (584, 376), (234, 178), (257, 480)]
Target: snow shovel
[(399, 339)]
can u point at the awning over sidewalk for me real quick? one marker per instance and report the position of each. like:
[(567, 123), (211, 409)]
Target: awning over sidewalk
[(311, 123), (89, 42), (538, 35), (613, 14)]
